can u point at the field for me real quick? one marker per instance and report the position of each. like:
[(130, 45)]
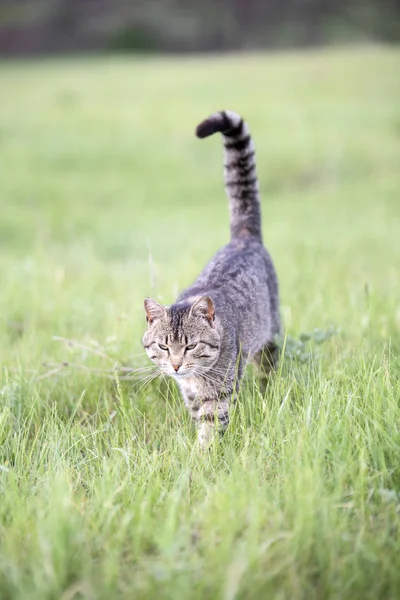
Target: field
[(106, 197)]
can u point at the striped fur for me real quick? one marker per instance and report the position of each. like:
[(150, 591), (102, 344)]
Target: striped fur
[(241, 181)]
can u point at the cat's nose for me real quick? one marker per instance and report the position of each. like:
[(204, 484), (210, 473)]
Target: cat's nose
[(176, 367)]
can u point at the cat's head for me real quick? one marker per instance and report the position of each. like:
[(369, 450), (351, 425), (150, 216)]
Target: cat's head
[(182, 340)]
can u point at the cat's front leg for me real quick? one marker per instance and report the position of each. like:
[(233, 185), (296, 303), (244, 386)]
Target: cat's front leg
[(212, 417), (209, 410)]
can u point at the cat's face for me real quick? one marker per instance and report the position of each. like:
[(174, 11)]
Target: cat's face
[(182, 341)]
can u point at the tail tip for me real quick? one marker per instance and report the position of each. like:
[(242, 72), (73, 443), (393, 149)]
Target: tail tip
[(205, 128), (221, 121)]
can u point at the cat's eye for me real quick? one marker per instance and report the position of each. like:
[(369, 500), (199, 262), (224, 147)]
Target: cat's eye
[(163, 346), (191, 347)]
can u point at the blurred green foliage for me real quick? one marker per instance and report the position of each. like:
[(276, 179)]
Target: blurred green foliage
[(35, 26)]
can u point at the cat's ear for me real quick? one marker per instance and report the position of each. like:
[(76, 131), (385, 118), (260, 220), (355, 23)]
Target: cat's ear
[(153, 310), (203, 307)]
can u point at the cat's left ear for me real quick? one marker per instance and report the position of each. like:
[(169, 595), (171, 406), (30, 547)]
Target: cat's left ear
[(203, 307)]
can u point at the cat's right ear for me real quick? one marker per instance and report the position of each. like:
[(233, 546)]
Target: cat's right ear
[(153, 310)]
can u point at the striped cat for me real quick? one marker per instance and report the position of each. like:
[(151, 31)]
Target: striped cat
[(231, 312)]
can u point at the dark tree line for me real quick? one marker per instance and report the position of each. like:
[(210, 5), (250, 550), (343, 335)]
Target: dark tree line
[(42, 26)]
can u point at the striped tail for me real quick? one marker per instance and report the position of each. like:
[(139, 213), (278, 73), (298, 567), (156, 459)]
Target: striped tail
[(241, 182)]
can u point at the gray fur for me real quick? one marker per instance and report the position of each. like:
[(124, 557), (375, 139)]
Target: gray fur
[(232, 309)]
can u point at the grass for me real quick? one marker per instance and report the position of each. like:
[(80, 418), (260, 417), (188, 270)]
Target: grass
[(106, 197)]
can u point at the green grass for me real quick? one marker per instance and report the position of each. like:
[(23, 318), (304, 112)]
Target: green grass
[(106, 197)]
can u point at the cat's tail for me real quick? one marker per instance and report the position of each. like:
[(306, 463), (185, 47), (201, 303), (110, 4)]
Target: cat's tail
[(241, 181)]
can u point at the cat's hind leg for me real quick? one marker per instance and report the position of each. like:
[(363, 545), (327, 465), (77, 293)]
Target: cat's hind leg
[(267, 361)]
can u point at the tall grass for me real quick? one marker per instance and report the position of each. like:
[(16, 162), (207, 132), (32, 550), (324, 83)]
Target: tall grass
[(106, 197)]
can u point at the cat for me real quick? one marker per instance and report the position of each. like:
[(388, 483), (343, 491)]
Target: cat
[(231, 312)]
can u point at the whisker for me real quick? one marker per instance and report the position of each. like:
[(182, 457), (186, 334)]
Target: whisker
[(213, 373), (146, 381), (214, 368), (146, 374), (208, 377), (138, 377), (140, 370)]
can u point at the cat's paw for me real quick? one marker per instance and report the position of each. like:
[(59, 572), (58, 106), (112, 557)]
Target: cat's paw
[(205, 435)]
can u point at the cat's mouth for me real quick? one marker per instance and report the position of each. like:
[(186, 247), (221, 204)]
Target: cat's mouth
[(183, 375)]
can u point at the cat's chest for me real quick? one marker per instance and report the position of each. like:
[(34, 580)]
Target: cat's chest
[(189, 387)]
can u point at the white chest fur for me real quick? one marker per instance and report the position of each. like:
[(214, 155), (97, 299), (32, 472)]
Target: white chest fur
[(189, 386)]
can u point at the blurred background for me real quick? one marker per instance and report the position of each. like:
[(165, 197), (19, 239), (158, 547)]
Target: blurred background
[(30, 27)]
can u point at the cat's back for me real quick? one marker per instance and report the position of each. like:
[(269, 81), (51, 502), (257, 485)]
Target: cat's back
[(240, 268)]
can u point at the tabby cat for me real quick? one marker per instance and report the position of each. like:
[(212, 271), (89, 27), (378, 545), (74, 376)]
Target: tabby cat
[(231, 312)]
